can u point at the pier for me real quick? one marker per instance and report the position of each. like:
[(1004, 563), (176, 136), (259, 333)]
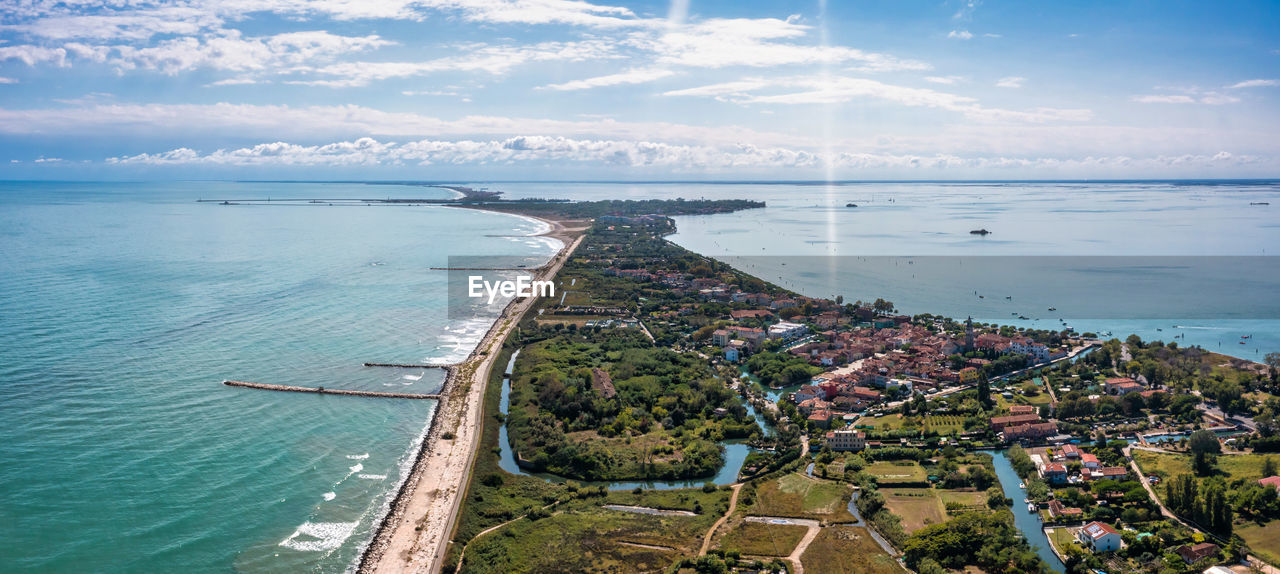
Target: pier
[(407, 366), (324, 391)]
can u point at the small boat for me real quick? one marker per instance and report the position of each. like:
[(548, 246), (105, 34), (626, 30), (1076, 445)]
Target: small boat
[(1022, 485), (1246, 336), (979, 232), (851, 205), (1027, 500), (1241, 342), (1010, 297), (1259, 203), (1053, 308), (1031, 507), (1159, 329)]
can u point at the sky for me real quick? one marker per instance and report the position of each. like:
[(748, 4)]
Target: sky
[(618, 90)]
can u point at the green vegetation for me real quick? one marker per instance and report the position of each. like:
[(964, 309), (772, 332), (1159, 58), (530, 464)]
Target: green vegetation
[(760, 539), (611, 406), (889, 473), (798, 496), (845, 549), (988, 541), (915, 507), (781, 369)]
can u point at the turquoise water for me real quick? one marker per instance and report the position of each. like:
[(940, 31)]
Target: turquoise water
[(124, 306)]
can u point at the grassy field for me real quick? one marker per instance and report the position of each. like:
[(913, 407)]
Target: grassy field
[(1263, 539), (884, 422), (757, 539), (889, 473), (916, 507), (797, 495), (1062, 538), (964, 497), (944, 424), (584, 538), (846, 549), (1233, 466)]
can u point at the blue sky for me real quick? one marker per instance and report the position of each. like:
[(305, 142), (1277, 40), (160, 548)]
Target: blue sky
[(565, 89)]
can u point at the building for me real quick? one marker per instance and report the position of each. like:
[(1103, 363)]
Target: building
[(1000, 423), (846, 440), (1071, 451), (1272, 481), (1034, 431), (1061, 511), (721, 337), (1122, 386), (1090, 461), (1111, 472), (1195, 553), (1054, 473), (786, 330), (1099, 537), (732, 354), (1022, 410)]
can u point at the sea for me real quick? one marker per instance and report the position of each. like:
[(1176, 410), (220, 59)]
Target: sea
[(123, 307)]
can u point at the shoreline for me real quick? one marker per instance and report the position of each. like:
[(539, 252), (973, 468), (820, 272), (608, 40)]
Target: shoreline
[(413, 535)]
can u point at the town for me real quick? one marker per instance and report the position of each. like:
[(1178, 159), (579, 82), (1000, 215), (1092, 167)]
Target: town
[(874, 441)]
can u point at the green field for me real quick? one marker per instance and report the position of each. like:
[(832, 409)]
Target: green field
[(883, 422), (797, 495), (897, 472), (944, 424), (915, 507), (1062, 538), (1264, 540), (1246, 467), (758, 539), (969, 498), (846, 549)]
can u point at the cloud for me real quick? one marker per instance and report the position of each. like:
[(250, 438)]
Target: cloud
[(960, 35), (838, 89), (945, 80), (32, 55), (1195, 97), (1255, 84), (43, 159), (990, 35), (494, 60), (635, 76), (4, 80), (533, 149), (1011, 82), (759, 43)]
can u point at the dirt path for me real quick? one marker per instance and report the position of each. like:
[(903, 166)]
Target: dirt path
[(813, 525), (416, 533), (733, 505)]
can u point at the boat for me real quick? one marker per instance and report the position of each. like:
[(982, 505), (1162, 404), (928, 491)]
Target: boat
[(1022, 485), (1246, 336), (1241, 342), (1053, 308), (979, 232), (1031, 507), (851, 204), (1027, 500), (1259, 203)]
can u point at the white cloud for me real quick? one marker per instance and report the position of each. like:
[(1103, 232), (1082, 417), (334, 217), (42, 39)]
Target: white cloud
[(476, 58), (43, 159), (1011, 82), (990, 35), (640, 154), (760, 42), (960, 35), (32, 55), (1255, 84), (4, 80), (1164, 99), (837, 89), (945, 80), (235, 82), (635, 76)]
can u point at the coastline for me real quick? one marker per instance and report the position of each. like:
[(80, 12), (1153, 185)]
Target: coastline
[(413, 535)]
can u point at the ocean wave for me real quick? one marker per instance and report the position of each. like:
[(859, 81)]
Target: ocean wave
[(358, 456), (412, 377), (330, 495), (319, 536), (372, 476)]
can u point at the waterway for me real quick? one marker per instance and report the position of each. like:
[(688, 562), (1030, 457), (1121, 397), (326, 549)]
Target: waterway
[(1025, 521), (735, 453)]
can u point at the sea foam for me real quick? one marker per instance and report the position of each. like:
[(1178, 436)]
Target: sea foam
[(319, 536)]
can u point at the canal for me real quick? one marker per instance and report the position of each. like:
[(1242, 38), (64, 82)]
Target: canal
[(1027, 522)]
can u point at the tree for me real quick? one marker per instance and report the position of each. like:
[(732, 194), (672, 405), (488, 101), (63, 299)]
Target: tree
[(984, 391), (1204, 441), (1268, 467)]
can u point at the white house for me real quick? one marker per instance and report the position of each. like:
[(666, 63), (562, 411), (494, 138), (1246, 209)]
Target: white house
[(1099, 537), (786, 330), (846, 440)]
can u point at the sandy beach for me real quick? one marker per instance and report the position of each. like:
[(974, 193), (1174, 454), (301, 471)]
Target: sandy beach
[(414, 535)]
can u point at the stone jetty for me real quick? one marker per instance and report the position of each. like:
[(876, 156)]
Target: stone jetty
[(408, 366), (324, 391)]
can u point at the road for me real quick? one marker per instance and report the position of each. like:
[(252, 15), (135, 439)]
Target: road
[(733, 505), (1254, 561), (813, 525)]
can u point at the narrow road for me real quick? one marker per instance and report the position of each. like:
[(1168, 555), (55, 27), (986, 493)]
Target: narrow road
[(1254, 561), (733, 505)]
